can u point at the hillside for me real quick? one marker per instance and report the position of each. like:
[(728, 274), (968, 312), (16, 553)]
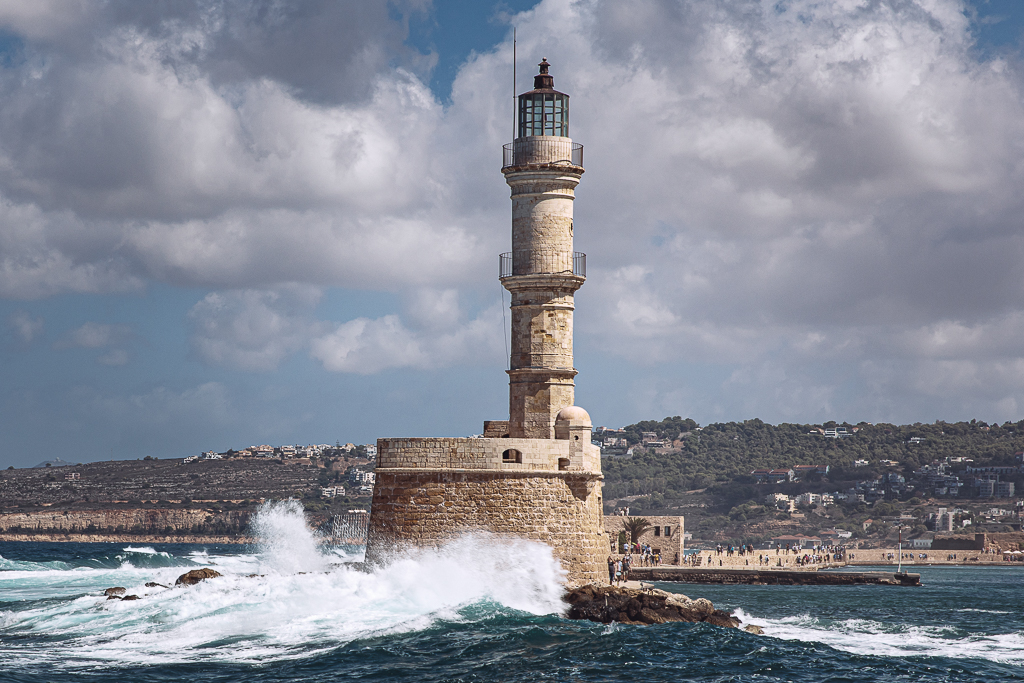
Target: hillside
[(169, 497), (704, 472)]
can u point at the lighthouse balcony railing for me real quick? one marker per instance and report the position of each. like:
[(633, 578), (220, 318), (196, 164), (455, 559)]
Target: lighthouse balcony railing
[(505, 269), (542, 149)]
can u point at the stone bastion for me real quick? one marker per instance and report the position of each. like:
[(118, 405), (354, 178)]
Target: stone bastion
[(430, 490)]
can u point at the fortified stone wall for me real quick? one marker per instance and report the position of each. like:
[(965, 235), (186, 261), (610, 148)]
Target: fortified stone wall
[(419, 507), (959, 542), (1006, 541), (486, 453)]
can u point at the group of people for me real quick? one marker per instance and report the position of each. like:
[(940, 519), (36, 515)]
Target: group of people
[(649, 557), (618, 569), (729, 550)]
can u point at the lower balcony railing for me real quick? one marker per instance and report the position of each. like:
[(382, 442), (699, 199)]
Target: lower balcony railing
[(506, 269)]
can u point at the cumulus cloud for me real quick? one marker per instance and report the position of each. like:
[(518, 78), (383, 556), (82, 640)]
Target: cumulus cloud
[(114, 358), (94, 336), (253, 329), (257, 329), (792, 185), (184, 146), (24, 327), (770, 186), (366, 346)]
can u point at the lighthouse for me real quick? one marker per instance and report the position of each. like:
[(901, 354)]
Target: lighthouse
[(535, 475), (542, 166)]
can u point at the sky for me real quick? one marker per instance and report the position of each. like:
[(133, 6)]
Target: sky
[(237, 222)]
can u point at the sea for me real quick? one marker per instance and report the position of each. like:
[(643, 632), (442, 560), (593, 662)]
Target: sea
[(292, 608)]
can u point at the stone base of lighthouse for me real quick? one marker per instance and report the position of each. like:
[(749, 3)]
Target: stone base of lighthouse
[(431, 490)]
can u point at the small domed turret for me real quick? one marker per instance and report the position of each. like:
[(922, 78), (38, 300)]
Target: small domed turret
[(574, 416)]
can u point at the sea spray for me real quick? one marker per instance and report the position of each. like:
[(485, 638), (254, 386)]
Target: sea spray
[(284, 541), (298, 608)]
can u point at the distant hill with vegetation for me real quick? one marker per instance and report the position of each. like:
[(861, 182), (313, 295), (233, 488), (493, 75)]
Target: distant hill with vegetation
[(726, 452), (703, 473)]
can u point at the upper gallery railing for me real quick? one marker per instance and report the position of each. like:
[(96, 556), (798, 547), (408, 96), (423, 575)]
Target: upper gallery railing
[(542, 149)]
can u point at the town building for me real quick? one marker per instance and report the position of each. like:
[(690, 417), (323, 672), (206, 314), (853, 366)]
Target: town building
[(800, 471), (666, 536), (942, 520), (536, 474), (780, 501), (776, 476)]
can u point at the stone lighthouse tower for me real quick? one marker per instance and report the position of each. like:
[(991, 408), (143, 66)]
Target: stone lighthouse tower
[(542, 166), (535, 475)]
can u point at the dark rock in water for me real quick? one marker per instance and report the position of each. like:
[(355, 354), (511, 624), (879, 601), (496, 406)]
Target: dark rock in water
[(130, 597), (154, 584), (606, 604), (115, 591), (195, 576)]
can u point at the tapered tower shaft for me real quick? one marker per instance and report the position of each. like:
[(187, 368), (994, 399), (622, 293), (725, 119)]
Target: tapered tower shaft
[(542, 167)]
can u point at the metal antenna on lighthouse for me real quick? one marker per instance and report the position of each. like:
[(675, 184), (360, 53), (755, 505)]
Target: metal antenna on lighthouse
[(515, 111)]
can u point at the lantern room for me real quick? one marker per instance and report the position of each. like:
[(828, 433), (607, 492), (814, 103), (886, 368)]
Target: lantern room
[(544, 110)]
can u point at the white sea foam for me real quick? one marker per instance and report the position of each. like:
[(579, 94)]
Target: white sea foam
[(146, 550), (294, 607), (876, 638), (286, 545)]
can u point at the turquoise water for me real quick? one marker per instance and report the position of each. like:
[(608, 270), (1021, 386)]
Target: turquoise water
[(477, 610)]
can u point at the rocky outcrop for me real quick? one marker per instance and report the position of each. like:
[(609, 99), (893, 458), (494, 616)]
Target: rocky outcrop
[(195, 576), (606, 604), (118, 593)]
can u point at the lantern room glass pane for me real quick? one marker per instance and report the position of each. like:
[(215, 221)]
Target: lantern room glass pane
[(544, 114)]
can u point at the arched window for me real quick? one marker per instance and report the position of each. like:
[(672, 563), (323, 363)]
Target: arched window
[(511, 455), (563, 463)]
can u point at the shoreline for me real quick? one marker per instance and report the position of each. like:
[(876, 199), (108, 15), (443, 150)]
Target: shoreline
[(126, 538)]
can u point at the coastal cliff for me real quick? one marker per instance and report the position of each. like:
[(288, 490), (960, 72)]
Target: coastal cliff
[(172, 525)]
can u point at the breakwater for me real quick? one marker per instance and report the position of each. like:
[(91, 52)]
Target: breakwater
[(772, 577)]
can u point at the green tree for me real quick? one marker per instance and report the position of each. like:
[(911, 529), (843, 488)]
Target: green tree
[(636, 526)]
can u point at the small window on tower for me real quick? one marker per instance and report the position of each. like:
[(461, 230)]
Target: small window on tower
[(511, 455), (657, 531), (668, 531), (563, 463)]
